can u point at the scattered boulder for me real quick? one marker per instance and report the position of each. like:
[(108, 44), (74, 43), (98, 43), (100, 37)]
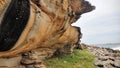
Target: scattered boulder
[(117, 63), (105, 57)]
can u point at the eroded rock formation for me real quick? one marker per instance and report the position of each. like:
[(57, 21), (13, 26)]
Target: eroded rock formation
[(47, 30)]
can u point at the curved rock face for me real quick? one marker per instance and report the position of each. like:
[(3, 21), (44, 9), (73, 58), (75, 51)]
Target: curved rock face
[(40, 32), (68, 40), (48, 20), (47, 29)]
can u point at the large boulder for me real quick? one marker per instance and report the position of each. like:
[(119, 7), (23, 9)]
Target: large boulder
[(38, 28)]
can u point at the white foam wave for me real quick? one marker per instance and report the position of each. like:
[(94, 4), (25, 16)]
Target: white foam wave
[(116, 48)]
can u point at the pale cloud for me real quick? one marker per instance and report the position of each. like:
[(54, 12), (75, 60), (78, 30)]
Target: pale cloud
[(103, 24), (101, 29), (106, 7)]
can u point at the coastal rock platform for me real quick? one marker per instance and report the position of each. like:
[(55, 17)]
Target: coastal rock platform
[(105, 57)]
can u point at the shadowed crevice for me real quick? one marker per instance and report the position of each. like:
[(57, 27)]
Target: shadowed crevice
[(13, 23)]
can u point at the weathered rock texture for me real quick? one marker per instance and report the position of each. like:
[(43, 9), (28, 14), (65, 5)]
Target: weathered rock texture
[(48, 31), (105, 57)]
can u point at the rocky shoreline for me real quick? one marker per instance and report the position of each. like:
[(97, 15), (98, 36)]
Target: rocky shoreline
[(105, 57)]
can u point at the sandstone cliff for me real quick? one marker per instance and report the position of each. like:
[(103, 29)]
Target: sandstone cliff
[(48, 30)]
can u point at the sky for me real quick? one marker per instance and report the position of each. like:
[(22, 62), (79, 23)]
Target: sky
[(101, 25)]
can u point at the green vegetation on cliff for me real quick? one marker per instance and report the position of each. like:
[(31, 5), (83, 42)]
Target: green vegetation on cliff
[(81, 59)]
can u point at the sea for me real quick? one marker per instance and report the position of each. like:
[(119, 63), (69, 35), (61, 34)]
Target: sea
[(114, 46)]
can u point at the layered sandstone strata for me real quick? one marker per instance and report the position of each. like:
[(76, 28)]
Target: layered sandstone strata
[(48, 30)]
